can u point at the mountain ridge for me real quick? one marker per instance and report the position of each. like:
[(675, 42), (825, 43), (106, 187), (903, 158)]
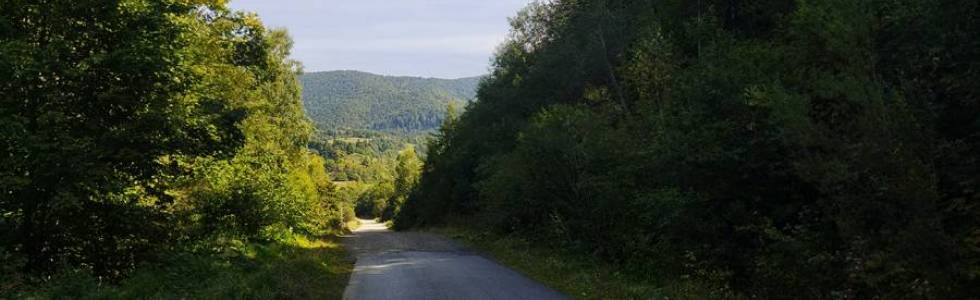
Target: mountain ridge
[(391, 75), (351, 99)]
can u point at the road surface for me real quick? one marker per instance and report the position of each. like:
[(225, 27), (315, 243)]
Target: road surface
[(415, 265)]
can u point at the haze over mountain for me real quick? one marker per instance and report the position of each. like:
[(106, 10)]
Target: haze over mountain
[(365, 101)]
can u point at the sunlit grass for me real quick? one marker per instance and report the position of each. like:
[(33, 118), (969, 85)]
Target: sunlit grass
[(300, 268)]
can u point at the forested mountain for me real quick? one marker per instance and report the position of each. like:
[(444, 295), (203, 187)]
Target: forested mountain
[(358, 100), (738, 149)]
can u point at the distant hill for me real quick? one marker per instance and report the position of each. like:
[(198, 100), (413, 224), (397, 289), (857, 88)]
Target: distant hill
[(338, 100)]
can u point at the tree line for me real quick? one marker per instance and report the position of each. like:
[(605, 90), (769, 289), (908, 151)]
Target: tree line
[(134, 128), (765, 149)]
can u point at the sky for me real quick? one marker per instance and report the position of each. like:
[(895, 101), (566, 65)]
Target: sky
[(427, 38)]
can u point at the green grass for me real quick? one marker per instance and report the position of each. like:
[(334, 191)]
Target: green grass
[(297, 269), (579, 275)]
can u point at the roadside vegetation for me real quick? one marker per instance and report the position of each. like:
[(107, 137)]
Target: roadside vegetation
[(764, 149), (579, 274), (291, 268), (158, 148)]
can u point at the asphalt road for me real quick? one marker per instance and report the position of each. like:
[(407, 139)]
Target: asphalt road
[(415, 265)]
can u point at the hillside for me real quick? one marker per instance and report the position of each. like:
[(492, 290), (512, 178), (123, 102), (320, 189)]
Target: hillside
[(359, 100)]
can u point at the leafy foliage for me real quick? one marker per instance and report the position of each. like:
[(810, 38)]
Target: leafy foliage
[(776, 149), (138, 127)]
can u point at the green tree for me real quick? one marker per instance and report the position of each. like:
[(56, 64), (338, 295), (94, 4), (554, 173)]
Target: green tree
[(406, 177), (135, 127), (94, 94)]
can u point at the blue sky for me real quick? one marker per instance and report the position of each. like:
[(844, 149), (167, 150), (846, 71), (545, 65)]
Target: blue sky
[(429, 38)]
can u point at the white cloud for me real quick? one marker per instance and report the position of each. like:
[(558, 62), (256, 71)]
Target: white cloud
[(441, 38)]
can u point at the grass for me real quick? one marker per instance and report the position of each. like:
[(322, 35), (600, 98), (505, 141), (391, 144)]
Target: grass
[(298, 269), (580, 276)]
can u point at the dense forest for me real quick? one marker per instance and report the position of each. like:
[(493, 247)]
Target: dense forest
[(136, 130), (362, 101), (761, 149)]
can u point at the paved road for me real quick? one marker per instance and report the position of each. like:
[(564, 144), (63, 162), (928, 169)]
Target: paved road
[(415, 265)]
